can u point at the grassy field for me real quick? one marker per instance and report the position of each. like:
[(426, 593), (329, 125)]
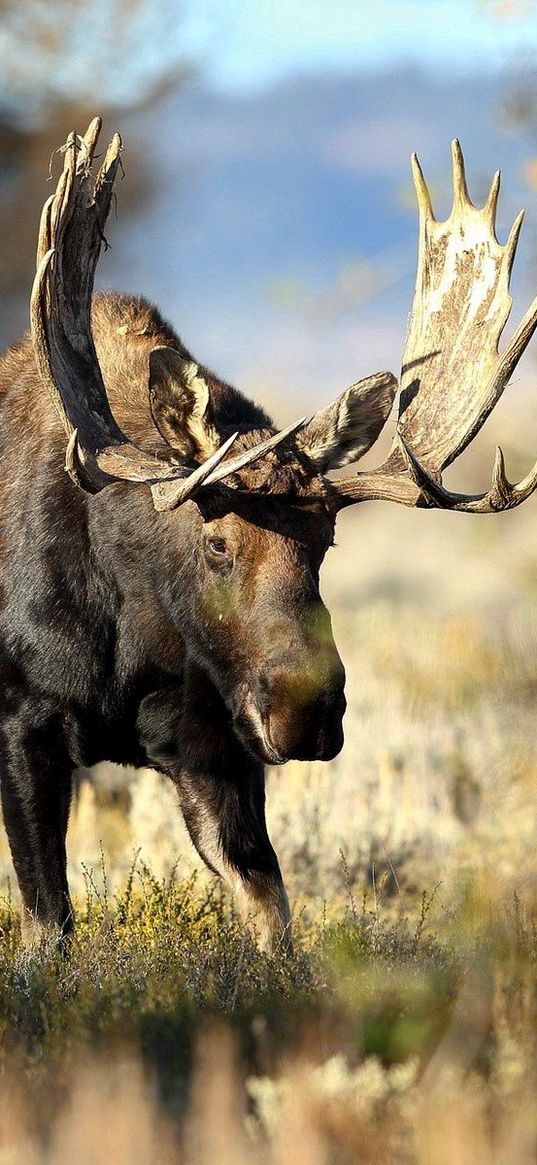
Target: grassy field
[(403, 1029), (393, 1034)]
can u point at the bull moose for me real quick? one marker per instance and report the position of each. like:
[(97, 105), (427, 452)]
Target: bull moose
[(160, 599)]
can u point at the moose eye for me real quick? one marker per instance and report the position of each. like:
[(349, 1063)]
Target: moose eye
[(218, 550), (218, 546)]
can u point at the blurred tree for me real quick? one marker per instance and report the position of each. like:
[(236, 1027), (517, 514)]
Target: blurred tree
[(62, 61), (53, 54)]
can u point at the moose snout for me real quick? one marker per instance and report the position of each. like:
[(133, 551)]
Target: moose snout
[(301, 704)]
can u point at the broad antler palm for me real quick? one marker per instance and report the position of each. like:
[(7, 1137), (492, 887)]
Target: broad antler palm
[(453, 373), (70, 240)]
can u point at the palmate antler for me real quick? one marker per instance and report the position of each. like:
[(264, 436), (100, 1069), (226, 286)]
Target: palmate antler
[(70, 240), (453, 373)]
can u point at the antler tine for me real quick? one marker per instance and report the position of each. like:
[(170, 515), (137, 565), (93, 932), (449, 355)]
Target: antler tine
[(104, 186), (258, 451), (461, 198), (512, 242), (491, 204), (168, 495), (91, 137), (422, 191), (526, 487)]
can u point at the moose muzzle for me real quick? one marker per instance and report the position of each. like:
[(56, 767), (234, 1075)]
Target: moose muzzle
[(293, 708)]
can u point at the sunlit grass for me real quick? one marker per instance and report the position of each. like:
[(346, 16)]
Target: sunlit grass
[(165, 1017)]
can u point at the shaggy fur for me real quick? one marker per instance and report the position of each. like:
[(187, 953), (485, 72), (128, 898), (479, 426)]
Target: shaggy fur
[(194, 641)]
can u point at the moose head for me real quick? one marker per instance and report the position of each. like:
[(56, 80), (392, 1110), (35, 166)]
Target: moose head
[(236, 517)]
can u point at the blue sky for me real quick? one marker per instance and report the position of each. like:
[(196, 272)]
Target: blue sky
[(246, 44)]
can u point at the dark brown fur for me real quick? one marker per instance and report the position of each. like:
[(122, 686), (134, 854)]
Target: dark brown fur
[(127, 635)]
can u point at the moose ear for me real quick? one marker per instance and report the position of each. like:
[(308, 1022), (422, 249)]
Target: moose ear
[(345, 430), (180, 403)]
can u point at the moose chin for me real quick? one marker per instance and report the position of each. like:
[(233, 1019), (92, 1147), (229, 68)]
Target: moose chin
[(160, 599)]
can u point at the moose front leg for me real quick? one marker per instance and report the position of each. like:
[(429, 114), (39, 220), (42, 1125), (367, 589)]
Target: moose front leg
[(222, 796), (226, 821), (36, 786)]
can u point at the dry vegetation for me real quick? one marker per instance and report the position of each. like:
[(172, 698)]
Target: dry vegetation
[(167, 1037), (403, 1030)]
